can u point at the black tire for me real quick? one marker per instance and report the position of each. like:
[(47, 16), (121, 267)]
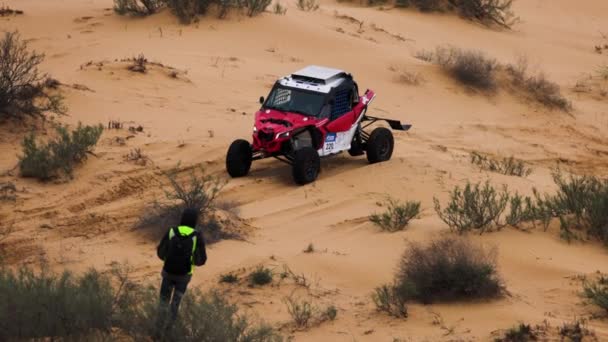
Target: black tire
[(238, 158), (306, 165), (380, 145)]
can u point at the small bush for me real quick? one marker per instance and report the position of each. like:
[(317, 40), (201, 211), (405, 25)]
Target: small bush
[(389, 299), (138, 64), (255, 7), (65, 307), (447, 269), (310, 248), (487, 12), (522, 209), (58, 156), (187, 10), (260, 276), (229, 278), (330, 313), (471, 68), (477, 207), (279, 9), (507, 166), (8, 191), (521, 333), (308, 5), (137, 7), (22, 88), (597, 292), (301, 311), (576, 332), (6, 11), (397, 215), (537, 88)]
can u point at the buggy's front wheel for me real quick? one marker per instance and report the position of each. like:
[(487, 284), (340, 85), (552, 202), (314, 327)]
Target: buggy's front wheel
[(238, 158), (306, 165)]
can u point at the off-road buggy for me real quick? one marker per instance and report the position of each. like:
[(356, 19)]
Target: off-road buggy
[(312, 113)]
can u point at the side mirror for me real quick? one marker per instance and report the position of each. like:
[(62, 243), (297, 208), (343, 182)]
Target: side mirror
[(261, 99)]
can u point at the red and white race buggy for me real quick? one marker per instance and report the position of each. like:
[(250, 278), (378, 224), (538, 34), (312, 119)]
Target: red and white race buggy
[(312, 113)]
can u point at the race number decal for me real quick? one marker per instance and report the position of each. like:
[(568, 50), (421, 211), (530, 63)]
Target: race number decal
[(330, 141)]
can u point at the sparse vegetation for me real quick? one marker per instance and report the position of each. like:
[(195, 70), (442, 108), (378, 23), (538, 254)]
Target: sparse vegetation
[(255, 7), (22, 87), (597, 291), (279, 9), (260, 276), (187, 10), (487, 12), (66, 307), (229, 278), (537, 88), (521, 333), (448, 268), (308, 5), (392, 300), (310, 248), (137, 7), (471, 68), (59, 155), (301, 311), (507, 166), (477, 207), (397, 215), (576, 332), (138, 64), (137, 156), (330, 313), (8, 191), (6, 11)]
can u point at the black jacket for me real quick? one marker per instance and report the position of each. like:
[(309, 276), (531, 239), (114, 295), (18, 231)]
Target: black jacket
[(200, 253)]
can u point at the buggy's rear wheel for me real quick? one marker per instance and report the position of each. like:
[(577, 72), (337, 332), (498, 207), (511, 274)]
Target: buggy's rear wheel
[(306, 165), (238, 158), (380, 145)]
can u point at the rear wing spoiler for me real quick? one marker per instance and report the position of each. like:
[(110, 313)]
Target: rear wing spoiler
[(395, 124)]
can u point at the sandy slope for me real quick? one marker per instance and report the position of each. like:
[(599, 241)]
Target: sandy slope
[(224, 67)]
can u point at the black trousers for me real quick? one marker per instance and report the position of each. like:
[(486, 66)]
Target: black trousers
[(172, 289)]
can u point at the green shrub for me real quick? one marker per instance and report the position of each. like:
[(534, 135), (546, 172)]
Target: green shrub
[(576, 332), (137, 7), (308, 5), (537, 88), (279, 9), (199, 190), (301, 311), (188, 10), (597, 292), (447, 269), (46, 161), (255, 7), (260, 276), (471, 68), (477, 207), (507, 166), (392, 300), (522, 209), (487, 12), (67, 307), (22, 87), (397, 215), (229, 278), (330, 313), (521, 333)]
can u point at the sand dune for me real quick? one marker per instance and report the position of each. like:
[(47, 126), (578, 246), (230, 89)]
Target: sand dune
[(223, 66)]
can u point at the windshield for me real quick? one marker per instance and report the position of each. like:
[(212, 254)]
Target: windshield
[(295, 100)]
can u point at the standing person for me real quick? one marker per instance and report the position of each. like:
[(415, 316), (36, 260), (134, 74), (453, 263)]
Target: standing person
[(181, 249)]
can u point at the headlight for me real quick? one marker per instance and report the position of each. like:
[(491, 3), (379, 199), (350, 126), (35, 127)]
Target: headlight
[(283, 135), (255, 129)]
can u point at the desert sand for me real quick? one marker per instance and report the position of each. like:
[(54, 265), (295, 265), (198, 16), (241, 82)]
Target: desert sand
[(225, 65)]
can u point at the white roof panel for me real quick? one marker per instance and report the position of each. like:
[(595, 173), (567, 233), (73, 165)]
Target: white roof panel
[(320, 72)]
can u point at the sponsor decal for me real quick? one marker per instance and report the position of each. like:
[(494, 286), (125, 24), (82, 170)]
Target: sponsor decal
[(330, 137)]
